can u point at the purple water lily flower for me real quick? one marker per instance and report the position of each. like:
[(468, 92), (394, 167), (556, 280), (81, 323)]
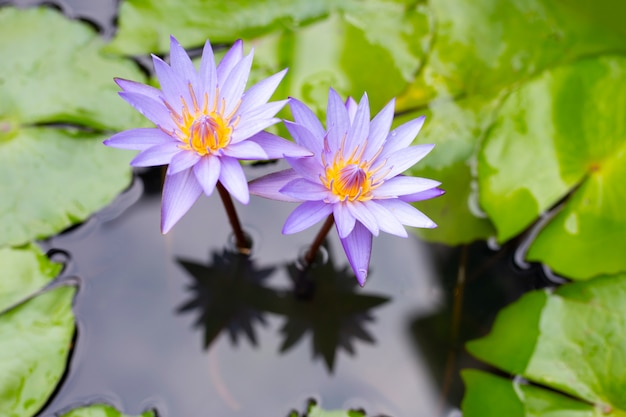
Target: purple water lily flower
[(354, 176), (205, 123)]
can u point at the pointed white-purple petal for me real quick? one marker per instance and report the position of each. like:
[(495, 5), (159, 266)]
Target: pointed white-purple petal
[(233, 179), (261, 92), (403, 159), (304, 116), (358, 248), (153, 110), (156, 155), (180, 62), (246, 129), (269, 185), (228, 62), (387, 222), (207, 171), (407, 214), (182, 161), (172, 85), (305, 138), (305, 216), (379, 129), (422, 195), (337, 120), (245, 150), (234, 86), (180, 191), (360, 127), (344, 220), (263, 111), (351, 106), (363, 215), (138, 139), (403, 135), (207, 76), (308, 168), (277, 147), (403, 185), (139, 88), (306, 190)]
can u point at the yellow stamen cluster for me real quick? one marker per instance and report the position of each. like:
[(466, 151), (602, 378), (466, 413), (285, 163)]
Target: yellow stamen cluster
[(351, 178), (202, 128)]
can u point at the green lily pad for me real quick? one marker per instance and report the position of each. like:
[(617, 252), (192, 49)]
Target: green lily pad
[(562, 133), (57, 92), (35, 341), (314, 410), (24, 271), (101, 410), (481, 51), (572, 341)]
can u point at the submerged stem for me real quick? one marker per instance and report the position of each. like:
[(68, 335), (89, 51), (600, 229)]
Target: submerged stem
[(309, 257), (243, 245)]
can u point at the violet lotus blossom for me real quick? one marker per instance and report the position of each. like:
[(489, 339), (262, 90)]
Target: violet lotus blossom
[(205, 123), (354, 175)]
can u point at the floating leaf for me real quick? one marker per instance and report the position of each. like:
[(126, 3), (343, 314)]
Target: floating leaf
[(563, 130), (571, 341), (51, 78), (482, 50), (100, 410), (315, 410), (35, 339), (24, 271)]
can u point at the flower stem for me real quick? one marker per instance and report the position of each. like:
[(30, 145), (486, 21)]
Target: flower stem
[(243, 244), (309, 257)]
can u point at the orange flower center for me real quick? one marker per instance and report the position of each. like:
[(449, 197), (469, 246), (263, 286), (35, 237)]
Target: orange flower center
[(202, 128)]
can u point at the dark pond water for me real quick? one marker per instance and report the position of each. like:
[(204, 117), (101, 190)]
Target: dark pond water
[(177, 323)]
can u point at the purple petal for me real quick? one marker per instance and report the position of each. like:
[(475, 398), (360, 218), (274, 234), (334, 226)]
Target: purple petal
[(143, 89), (233, 179), (152, 109), (404, 159), (232, 89), (247, 129), (302, 189), (180, 62), (263, 111), (387, 222), (343, 220), (306, 215), (337, 120), (407, 214), (305, 138), (172, 85), (308, 168), (207, 77), (362, 214), (182, 161), (422, 195), (261, 92), (156, 155), (351, 106), (304, 116), (358, 248), (138, 139), (245, 150), (360, 127), (207, 171), (403, 185), (403, 135), (180, 191), (269, 185), (379, 129), (232, 57), (277, 147)]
